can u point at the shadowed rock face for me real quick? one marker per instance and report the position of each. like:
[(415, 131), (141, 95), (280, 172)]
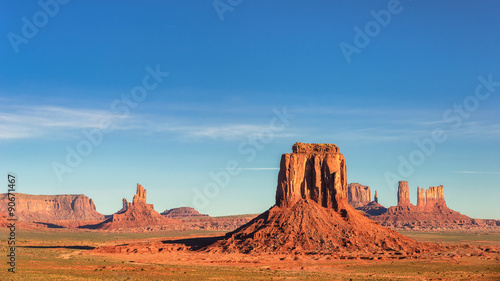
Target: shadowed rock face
[(45, 208), (313, 171), (125, 207)]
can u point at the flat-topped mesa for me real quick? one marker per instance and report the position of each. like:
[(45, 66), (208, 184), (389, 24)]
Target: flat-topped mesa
[(435, 196), (403, 194), (45, 208), (140, 195), (358, 195), (310, 148), (313, 171), (420, 198)]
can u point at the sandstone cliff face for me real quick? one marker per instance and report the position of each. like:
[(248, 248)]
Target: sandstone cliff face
[(312, 213), (403, 194), (45, 208), (435, 197), (358, 195), (420, 198), (140, 195), (315, 172)]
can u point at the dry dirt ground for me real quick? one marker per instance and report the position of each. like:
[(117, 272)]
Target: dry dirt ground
[(61, 254)]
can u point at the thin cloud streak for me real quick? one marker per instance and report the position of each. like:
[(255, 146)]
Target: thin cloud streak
[(35, 122), (227, 132), (43, 121), (476, 172)]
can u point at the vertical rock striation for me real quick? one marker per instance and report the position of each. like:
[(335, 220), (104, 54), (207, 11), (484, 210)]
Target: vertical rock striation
[(420, 198), (403, 194), (140, 195), (313, 171), (435, 197)]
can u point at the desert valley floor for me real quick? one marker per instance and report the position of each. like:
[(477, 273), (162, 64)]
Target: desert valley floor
[(61, 254)]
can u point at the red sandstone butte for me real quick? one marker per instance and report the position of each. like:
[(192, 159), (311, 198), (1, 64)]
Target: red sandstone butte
[(431, 212), (403, 194), (137, 214), (312, 213)]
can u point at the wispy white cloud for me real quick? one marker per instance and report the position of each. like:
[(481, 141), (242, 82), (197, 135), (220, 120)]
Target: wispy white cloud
[(24, 122), (476, 172), (19, 122), (223, 131)]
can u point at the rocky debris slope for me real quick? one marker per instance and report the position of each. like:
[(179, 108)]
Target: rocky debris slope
[(138, 214), (312, 213), (431, 212), (3, 220), (183, 212), (46, 208), (358, 195)]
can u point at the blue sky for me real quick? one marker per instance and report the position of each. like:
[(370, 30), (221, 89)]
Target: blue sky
[(66, 68)]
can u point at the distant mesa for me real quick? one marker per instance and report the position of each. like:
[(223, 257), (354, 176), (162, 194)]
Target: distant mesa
[(137, 214), (431, 212), (312, 213), (68, 207), (359, 197), (183, 212)]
